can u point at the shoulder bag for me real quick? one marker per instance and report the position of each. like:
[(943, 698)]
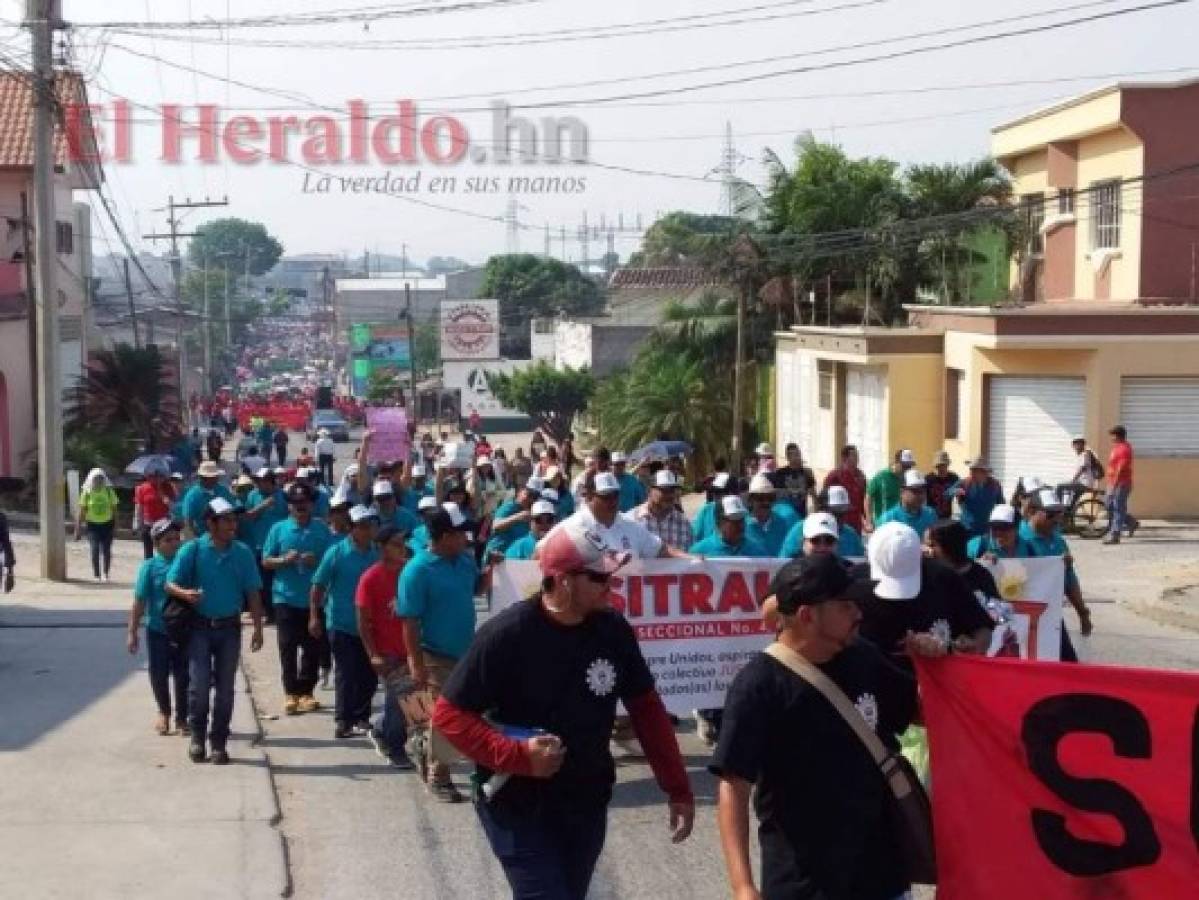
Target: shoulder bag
[(179, 616), (913, 818)]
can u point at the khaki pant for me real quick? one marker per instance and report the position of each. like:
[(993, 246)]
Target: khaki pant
[(417, 705)]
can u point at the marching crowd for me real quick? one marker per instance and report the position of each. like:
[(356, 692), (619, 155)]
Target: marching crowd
[(373, 578)]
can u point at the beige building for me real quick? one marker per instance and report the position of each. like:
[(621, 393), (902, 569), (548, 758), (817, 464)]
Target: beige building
[(1112, 338)]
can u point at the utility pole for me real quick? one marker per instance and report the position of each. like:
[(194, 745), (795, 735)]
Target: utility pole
[(31, 288), (43, 19), (228, 322), (411, 350), (745, 262), (207, 334), (137, 341), (177, 275)]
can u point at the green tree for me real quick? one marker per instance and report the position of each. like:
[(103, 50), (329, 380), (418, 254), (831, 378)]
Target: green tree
[(125, 390), (551, 397), (683, 239), (233, 241), (426, 348), (529, 286), (383, 387), (278, 304)]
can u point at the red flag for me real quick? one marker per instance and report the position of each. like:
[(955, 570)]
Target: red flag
[(1052, 780)]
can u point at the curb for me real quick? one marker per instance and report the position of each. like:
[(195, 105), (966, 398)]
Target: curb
[(1167, 611)]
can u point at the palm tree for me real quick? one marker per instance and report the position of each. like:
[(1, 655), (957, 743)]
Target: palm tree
[(129, 390)]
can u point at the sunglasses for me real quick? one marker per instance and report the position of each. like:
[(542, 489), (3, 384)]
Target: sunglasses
[(594, 577), (822, 540), (545, 520)]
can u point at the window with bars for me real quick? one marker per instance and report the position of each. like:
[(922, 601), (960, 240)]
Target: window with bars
[(1065, 201), (1034, 217), (955, 402), (1105, 214), (64, 237), (824, 369)]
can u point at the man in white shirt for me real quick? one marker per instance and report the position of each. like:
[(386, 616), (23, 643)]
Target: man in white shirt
[(600, 514), (1087, 467), (325, 451)]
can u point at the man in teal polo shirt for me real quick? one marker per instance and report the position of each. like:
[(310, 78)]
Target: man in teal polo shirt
[(436, 600), (420, 538), (418, 486), (846, 539), (730, 538), (265, 506), (511, 521), (218, 576), (911, 509), (704, 523), (293, 550), (195, 502), (334, 585), (1041, 529), (764, 525), (389, 511), (543, 517), (632, 491)]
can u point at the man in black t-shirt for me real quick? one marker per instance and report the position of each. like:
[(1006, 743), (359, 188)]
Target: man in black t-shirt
[(795, 481), (547, 673), (823, 805)]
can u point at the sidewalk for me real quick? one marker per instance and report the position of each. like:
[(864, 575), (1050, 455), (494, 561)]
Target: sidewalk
[(94, 801)]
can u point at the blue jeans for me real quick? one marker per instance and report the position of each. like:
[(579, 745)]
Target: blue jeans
[(1117, 508), (546, 855), (355, 681), (390, 725), (213, 654), (168, 662)]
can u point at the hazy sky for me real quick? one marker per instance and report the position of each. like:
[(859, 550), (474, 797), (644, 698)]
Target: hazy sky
[(679, 135)]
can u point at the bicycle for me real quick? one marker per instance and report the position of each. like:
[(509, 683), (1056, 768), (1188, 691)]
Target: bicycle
[(1086, 512)]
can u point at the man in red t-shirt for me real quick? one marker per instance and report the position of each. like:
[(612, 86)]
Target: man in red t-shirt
[(382, 634), (853, 479), (1119, 479), (153, 499)]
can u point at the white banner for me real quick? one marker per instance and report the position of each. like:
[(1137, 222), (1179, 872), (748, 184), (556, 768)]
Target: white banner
[(470, 329), (698, 621)]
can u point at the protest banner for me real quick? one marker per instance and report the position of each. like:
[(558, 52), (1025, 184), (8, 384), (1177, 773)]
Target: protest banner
[(389, 434), (1062, 782), (1034, 588), (697, 621)]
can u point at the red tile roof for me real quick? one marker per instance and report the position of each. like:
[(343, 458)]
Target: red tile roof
[(663, 277), (16, 118)]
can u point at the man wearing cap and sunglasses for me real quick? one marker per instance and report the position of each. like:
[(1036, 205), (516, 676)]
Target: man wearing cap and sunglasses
[(730, 538), (769, 521), (436, 601), (218, 576), (292, 551), (542, 517), (1003, 540), (1041, 528), (660, 514), (825, 809), (547, 674), (911, 509)]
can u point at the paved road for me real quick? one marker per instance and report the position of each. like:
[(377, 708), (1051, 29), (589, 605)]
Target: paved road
[(356, 828)]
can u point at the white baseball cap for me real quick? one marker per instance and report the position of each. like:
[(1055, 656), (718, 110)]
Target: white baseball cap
[(818, 524), (219, 506), (764, 449), (361, 513), (1003, 514), (606, 483), (664, 478), (351, 469), (618, 457), (720, 480), (382, 489), (732, 507), (552, 472), (1032, 483), (895, 555), (340, 497), (417, 471), (760, 484), (838, 498), (543, 508), (913, 480), (264, 472), (549, 494), (457, 519), (907, 456), (427, 502)]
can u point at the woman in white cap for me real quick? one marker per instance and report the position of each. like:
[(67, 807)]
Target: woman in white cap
[(98, 511)]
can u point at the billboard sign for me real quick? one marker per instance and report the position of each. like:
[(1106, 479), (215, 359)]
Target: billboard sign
[(470, 329), (470, 379)]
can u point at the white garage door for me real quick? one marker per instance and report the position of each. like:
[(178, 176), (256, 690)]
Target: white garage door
[(865, 390), (1161, 415), (1030, 423), (787, 425)]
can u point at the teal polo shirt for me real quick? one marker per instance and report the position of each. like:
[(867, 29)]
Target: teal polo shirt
[(419, 540), (441, 593), (522, 549), (412, 497), (404, 519), (195, 503), (785, 510), (632, 492), (225, 576), (1053, 545), (502, 540), (849, 542), (261, 526), (983, 544), (292, 582), (320, 504), (770, 534), (340, 569), (566, 504), (714, 545), (150, 590), (704, 522), (919, 522)]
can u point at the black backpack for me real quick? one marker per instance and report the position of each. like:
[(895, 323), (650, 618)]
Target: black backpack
[(179, 616)]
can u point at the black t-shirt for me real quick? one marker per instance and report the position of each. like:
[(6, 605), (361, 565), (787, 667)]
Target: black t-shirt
[(821, 801), (981, 582), (945, 606), (524, 669), (794, 483)]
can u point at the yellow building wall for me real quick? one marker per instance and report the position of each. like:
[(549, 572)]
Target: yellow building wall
[(914, 404), (1103, 363), (1113, 154), (1087, 117)]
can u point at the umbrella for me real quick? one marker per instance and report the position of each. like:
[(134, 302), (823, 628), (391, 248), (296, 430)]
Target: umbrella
[(153, 462), (660, 450)]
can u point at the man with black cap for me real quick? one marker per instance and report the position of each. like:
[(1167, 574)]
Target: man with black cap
[(437, 604), (218, 576), (824, 807), (292, 551)]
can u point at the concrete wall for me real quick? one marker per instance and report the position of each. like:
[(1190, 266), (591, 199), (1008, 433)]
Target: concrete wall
[(914, 404), (17, 394), (614, 346)]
